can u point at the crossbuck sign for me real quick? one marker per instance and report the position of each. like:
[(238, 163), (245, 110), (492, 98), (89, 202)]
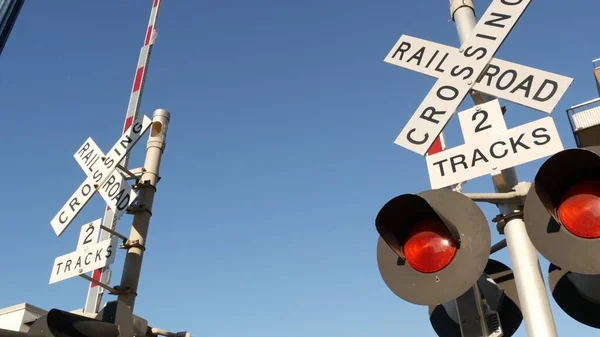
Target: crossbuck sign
[(102, 176), (471, 67)]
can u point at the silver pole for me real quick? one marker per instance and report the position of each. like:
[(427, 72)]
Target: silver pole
[(141, 218), (535, 305)]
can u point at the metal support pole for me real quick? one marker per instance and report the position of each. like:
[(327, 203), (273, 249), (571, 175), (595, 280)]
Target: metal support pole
[(535, 305), (141, 219)]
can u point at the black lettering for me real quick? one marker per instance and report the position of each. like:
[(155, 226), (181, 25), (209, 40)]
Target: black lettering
[(541, 133), (85, 147), (417, 56), (78, 263), (87, 157), (98, 257), (108, 251), (73, 203), (483, 51), (94, 163), (68, 265), (90, 231), (414, 141), (117, 151), (433, 112), (487, 37), (109, 182), (512, 80), (456, 74), (401, 50), (524, 85), (114, 189), (552, 92), (440, 92), (97, 176), (58, 268), (477, 155), (490, 72), (60, 217), (514, 144), (125, 141), (494, 154), (109, 162), (432, 58), (438, 67), (461, 160), (122, 204), (137, 127), (442, 173), (511, 3), (500, 17), (86, 189), (86, 258), (480, 127)]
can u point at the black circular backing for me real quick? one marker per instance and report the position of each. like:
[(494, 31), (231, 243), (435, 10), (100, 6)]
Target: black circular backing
[(570, 300), (556, 243), (462, 272)]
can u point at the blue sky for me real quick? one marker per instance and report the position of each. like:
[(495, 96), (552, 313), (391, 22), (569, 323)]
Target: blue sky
[(280, 151)]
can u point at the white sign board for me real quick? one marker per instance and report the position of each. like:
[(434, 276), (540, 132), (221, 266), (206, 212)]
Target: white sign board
[(489, 153), (530, 87), (88, 256), (100, 177), (117, 193), (482, 121), (465, 67)]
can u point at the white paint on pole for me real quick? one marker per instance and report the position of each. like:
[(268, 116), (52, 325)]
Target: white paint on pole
[(465, 67), (533, 88), (117, 193), (90, 257), (100, 175), (490, 153), (482, 121)]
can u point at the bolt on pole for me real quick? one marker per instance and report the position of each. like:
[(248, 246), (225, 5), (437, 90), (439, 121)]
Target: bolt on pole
[(141, 219), (535, 305)]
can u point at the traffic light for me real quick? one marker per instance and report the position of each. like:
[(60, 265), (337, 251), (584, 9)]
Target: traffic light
[(58, 323), (503, 311), (433, 245), (562, 217)]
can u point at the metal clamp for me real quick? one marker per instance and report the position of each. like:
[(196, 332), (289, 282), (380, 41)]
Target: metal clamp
[(502, 219), (132, 244), (117, 290)]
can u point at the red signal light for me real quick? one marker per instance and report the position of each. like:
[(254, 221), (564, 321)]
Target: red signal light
[(579, 209), (429, 246)]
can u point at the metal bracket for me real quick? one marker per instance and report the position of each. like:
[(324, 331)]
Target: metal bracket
[(138, 208), (132, 244), (121, 236), (502, 219), (516, 197), (144, 184), (110, 289), (118, 291), (134, 174)]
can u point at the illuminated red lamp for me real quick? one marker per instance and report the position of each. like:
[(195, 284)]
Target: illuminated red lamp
[(579, 209), (429, 246)]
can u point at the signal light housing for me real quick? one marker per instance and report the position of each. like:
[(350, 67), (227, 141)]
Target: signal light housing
[(560, 224), (58, 323), (508, 306), (442, 217), (581, 304)]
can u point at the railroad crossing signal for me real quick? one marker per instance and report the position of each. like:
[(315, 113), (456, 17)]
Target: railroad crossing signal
[(433, 245), (467, 67), (102, 176), (562, 215)]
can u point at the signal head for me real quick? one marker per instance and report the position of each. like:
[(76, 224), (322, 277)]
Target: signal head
[(433, 246), (562, 210)]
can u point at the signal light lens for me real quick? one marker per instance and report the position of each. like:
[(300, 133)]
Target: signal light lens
[(579, 209), (429, 246)]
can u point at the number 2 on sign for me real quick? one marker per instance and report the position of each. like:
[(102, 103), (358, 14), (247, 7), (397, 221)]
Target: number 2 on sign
[(480, 127), (89, 234), (482, 120)]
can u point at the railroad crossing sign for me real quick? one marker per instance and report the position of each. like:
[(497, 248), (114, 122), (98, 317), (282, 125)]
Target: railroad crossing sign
[(490, 146), (89, 254), (468, 66), (102, 177)]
